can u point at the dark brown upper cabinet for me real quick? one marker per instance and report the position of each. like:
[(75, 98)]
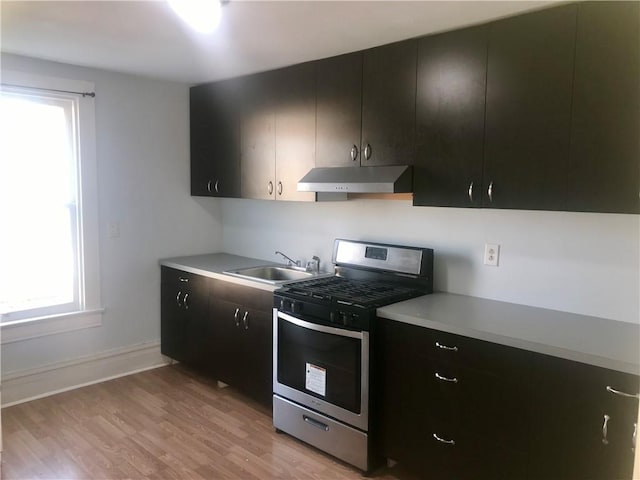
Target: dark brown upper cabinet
[(389, 104), (450, 109), (339, 110), (295, 122), (528, 110), (257, 136), (604, 166), (215, 139), (278, 133)]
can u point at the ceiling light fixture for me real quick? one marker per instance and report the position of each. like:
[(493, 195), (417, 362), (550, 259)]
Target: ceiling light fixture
[(201, 15)]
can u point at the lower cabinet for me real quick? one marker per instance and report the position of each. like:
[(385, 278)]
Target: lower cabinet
[(584, 421), (223, 329), (241, 331), (183, 314), (455, 407)]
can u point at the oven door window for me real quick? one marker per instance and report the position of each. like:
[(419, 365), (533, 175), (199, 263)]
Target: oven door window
[(320, 364)]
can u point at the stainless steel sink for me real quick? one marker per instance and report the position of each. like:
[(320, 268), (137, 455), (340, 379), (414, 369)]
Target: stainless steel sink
[(273, 274)]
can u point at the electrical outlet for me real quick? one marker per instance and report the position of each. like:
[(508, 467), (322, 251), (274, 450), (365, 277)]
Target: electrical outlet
[(114, 230), (491, 254)]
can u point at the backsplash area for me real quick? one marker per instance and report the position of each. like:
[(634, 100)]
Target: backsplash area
[(577, 262)]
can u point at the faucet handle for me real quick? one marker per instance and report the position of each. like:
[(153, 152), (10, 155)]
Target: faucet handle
[(313, 265)]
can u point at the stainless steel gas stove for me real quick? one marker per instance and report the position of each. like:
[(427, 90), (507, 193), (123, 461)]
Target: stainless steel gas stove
[(323, 330)]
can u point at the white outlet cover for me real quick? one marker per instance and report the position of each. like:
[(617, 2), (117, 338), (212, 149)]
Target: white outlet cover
[(491, 254)]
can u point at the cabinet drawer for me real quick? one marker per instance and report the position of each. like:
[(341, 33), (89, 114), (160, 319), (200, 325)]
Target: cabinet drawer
[(247, 296), (180, 277)]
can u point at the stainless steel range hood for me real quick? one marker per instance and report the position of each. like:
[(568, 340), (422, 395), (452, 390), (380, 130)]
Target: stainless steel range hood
[(391, 179)]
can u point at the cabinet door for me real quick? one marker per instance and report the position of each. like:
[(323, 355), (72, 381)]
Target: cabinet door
[(579, 429), (295, 122), (215, 139), (257, 359), (257, 137), (529, 81), (339, 110), (389, 104), (450, 104), (226, 354), (183, 316), (604, 172)]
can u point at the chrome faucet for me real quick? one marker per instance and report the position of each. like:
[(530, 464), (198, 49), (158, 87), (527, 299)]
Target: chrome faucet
[(290, 261)]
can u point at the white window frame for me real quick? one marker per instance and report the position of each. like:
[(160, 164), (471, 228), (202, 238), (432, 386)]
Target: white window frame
[(90, 310)]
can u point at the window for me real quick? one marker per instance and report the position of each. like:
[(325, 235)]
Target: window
[(48, 224)]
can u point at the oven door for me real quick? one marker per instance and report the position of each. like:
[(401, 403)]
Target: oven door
[(323, 368)]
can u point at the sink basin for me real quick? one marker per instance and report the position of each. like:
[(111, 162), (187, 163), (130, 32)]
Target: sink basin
[(273, 274)]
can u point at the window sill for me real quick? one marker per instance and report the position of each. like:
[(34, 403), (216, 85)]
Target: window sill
[(26, 329)]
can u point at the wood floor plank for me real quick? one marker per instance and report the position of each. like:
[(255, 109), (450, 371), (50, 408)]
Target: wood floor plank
[(166, 423)]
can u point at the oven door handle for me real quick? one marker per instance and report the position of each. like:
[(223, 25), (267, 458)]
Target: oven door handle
[(320, 328)]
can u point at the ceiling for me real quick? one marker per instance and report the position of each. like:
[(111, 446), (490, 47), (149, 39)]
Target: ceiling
[(146, 38)]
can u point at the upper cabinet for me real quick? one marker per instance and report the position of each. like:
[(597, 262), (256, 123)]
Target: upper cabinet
[(540, 111), (277, 143), (215, 137), (339, 110), (450, 101), (389, 104), (528, 110), (604, 161)]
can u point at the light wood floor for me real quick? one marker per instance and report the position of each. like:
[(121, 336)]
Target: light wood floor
[(165, 423)]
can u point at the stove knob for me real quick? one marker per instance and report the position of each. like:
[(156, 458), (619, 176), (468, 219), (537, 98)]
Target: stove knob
[(282, 304), (332, 317), (296, 307), (344, 317)]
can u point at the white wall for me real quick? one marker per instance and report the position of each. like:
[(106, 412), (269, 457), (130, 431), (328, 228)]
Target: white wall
[(577, 262), (142, 131)]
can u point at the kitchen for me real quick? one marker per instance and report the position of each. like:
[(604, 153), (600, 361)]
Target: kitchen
[(584, 263)]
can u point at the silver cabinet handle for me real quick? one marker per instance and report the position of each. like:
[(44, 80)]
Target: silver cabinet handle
[(178, 299), (634, 437), (215, 187), (367, 152), (446, 347), (442, 440), (605, 429), (245, 320), (236, 317), (622, 394), (209, 186), (471, 192), (279, 188), (183, 279), (184, 301), (490, 191), (270, 187), (354, 153), (446, 379)]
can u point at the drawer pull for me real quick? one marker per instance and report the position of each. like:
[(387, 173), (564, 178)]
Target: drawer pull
[(316, 423), (446, 379), (442, 440), (183, 279), (445, 347), (605, 429), (622, 394)]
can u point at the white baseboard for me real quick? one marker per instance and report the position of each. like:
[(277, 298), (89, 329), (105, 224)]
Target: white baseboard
[(24, 385)]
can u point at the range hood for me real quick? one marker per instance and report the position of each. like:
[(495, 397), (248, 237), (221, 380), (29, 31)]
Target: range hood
[(388, 179)]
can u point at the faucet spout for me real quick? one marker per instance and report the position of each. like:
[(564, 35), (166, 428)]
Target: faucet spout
[(290, 261)]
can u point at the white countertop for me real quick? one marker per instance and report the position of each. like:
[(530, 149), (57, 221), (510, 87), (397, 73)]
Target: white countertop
[(212, 265), (592, 340)]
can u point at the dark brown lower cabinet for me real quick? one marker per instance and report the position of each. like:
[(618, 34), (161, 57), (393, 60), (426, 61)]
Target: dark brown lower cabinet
[(580, 427), (458, 408), (183, 318), (241, 326)]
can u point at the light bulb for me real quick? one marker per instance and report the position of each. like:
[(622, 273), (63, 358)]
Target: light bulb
[(201, 15)]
